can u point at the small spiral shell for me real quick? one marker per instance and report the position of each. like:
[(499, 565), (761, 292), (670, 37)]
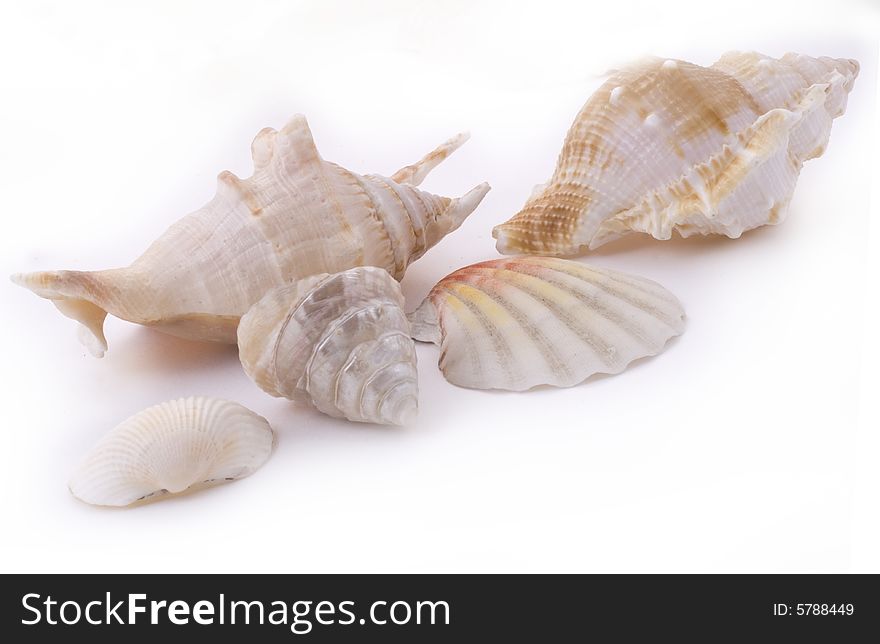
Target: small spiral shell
[(341, 342)]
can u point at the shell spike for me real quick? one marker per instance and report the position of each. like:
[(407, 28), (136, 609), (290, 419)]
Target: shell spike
[(294, 144), (414, 174), (455, 213), (230, 185), (73, 293), (263, 147)]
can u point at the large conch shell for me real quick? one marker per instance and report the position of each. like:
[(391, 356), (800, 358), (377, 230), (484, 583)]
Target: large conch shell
[(526, 321), (171, 448), (667, 145), (341, 342), (296, 216)]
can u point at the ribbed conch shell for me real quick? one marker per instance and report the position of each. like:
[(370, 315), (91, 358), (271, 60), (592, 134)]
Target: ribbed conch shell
[(172, 447), (526, 321), (667, 145), (341, 342), (296, 216)]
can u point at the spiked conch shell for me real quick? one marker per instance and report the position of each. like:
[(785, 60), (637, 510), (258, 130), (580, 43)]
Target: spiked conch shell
[(298, 215), (341, 342), (527, 321), (171, 447), (666, 145)]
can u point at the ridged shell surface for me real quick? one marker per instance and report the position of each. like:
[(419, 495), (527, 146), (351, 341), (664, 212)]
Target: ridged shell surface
[(522, 322), (341, 342), (297, 215), (171, 447), (667, 146)]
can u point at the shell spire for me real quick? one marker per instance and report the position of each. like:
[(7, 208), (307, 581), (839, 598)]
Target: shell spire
[(296, 215), (668, 146), (340, 342), (454, 214)]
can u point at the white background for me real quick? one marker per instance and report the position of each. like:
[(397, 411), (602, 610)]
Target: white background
[(749, 445)]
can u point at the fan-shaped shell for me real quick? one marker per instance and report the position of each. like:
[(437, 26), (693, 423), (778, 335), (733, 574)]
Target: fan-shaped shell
[(172, 447), (298, 215), (340, 341), (668, 146), (527, 321)]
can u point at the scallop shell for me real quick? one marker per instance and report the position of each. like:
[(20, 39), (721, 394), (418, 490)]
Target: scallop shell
[(670, 146), (522, 322), (298, 215), (172, 447), (341, 342)]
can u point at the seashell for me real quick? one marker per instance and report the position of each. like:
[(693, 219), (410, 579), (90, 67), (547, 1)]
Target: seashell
[(526, 321), (296, 216), (173, 447), (670, 146), (341, 342)]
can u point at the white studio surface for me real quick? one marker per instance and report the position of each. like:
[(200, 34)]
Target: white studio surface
[(748, 446)]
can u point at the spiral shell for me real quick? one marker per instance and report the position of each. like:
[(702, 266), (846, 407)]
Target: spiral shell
[(527, 321), (667, 146), (341, 342), (298, 215), (171, 447)]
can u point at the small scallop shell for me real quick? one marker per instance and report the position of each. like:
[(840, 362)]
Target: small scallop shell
[(667, 146), (172, 447), (297, 215), (527, 321), (341, 342)]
